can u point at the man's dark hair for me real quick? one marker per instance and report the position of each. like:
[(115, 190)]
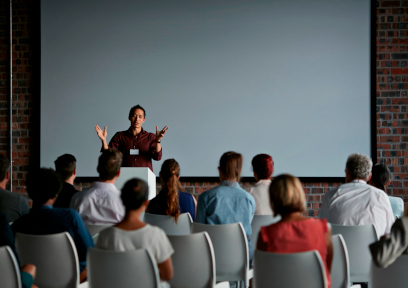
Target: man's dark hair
[(132, 110), (65, 165), (4, 166), (109, 164), (43, 184), (134, 193)]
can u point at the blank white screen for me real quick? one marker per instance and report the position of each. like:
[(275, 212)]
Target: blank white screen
[(286, 78)]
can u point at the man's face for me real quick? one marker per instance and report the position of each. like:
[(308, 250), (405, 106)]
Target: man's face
[(137, 118)]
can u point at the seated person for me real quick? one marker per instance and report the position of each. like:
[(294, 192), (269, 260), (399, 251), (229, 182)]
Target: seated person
[(14, 205), (262, 165), (28, 271), (132, 233), (389, 248), (43, 186), (356, 202), (170, 200), (228, 203), (381, 178), (65, 165), (101, 204), (295, 233)]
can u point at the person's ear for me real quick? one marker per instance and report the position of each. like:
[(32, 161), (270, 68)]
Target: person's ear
[(8, 176), (178, 177), (389, 182), (118, 174), (369, 177), (74, 172)]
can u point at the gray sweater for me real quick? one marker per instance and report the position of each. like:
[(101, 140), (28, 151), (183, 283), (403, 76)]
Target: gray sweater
[(14, 205)]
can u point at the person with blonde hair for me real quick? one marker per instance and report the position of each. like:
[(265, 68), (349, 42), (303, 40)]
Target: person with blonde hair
[(228, 203), (171, 200), (295, 233), (356, 202)]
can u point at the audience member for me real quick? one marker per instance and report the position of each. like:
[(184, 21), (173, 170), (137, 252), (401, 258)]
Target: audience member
[(65, 165), (170, 200), (228, 203), (263, 166), (295, 233), (356, 202), (101, 204), (27, 272), (132, 233), (43, 186), (381, 178), (12, 204)]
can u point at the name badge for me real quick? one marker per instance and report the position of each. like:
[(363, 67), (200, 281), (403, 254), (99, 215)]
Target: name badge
[(134, 151)]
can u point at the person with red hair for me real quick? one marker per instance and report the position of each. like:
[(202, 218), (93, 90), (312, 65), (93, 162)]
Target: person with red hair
[(263, 167)]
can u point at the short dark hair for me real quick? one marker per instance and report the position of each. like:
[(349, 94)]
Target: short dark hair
[(65, 165), (231, 165), (132, 110), (263, 165), (43, 184), (134, 193), (109, 164), (4, 166)]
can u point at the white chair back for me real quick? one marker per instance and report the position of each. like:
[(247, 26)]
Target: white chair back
[(394, 276), (167, 223), (94, 229), (260, 221), (55, 257), (9, 270), (231, 251), (357, 239), (187, 249), (131, 268), (304, 270), (340, 271)]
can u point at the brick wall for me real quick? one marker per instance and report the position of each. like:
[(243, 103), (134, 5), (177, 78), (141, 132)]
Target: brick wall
[(392, 99)]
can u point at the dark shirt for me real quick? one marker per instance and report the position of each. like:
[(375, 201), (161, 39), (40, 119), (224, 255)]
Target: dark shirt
[(48, 220), (14, 205), (158, 205), (65, 196), (144, 141), (6, 235)]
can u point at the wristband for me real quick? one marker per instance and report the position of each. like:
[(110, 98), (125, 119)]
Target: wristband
[(158, 141)]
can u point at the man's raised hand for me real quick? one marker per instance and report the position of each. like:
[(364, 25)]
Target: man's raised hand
[(101, 133), (160, 134)]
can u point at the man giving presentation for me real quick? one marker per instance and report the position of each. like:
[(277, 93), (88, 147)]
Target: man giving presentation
[(138, 146)]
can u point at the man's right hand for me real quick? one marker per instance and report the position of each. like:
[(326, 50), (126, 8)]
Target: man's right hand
[(101, 133)]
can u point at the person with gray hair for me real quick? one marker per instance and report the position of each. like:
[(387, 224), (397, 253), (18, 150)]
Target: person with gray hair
[(356, 202)]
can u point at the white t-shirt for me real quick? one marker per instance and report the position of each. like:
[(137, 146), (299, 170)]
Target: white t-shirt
[(357, 203), (148, 237), (261, 194)]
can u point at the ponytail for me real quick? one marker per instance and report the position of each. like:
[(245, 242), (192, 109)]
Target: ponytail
[(169, 174)]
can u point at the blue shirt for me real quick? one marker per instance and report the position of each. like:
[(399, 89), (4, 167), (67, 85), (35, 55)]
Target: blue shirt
[(48, 220), (226, 204), (158, 205), (397, 205)]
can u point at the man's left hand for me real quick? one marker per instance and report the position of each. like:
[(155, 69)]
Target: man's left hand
[(160, 134)]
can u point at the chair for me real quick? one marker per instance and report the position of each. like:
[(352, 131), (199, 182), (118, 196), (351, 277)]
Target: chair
[(55, 257), (289, 270), (9, 270), (94, 229), (259, 221), (120, 269), (340, 269), (394, 276), (231, 251), (193, 253), (166, 222), (357, 239)]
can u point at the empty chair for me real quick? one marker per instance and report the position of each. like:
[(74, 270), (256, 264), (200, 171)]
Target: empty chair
[(357, 239), (166, 222), (259, 221), (9, 270), (340, 269), (231, 251), (94, 229), (394, 276), (120, 269), (193, 262), (277, 270), (55, 257)]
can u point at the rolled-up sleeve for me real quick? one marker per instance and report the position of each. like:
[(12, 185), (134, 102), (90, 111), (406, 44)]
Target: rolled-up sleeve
[(83, 240), (154, 154)]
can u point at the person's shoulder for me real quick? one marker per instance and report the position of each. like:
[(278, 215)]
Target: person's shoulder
[(185, 195), (153, 231)]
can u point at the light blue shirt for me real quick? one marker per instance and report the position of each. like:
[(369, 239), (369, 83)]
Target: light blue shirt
[(397, 205), (226, 204)]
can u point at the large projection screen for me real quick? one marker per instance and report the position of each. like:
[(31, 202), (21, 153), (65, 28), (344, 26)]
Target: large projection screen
[(286, 78)]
